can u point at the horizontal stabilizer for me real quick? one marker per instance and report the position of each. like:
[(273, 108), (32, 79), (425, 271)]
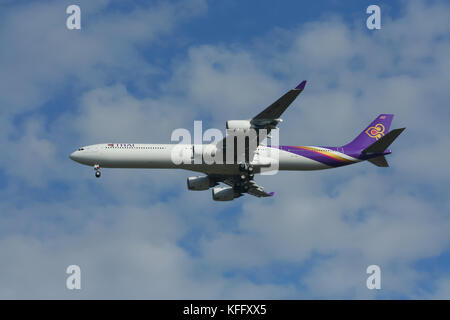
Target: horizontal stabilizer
[(384, 142), (379, 161)]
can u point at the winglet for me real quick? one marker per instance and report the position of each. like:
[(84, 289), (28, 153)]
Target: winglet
[(301, 86), (271, 193)]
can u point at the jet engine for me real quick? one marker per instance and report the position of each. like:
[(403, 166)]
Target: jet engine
[(239, 124), (199, 183), (223, 194)]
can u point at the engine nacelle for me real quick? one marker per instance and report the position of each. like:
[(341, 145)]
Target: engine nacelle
[(223, 194), (199, 183), (239, 124)]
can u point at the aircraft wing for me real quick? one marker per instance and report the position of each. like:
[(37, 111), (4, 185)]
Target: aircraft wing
[(269, 118), (276, 109), (258, 191), (254, 189)]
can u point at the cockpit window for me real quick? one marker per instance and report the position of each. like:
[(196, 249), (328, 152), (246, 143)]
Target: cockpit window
[(81, 149)]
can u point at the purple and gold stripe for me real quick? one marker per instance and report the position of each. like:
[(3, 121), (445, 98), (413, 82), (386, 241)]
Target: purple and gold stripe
[(318, 154)]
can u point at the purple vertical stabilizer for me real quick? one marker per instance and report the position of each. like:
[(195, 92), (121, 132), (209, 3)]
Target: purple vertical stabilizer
[(376, 130)]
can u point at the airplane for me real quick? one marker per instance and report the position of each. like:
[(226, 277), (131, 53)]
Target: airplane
[(238, 176)]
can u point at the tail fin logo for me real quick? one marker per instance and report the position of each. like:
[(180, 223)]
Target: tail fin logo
[(376, 131)]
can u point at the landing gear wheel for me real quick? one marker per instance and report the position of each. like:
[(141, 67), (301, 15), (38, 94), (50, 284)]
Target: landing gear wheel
[(243, 177), (245, 187), (251, 176), (242, 166), (97, 170), (250, 169)]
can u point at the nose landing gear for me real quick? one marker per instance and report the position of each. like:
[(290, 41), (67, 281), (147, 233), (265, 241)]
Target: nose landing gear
[(97, 171)]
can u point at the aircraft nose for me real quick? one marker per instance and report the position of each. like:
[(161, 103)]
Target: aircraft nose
[(73, 156)]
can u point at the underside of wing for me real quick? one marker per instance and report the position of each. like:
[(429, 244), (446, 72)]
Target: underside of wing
[(253, 188), (258, 191)]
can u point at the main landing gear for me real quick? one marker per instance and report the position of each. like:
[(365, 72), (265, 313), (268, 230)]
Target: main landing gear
[(246, 175), (97, 171)]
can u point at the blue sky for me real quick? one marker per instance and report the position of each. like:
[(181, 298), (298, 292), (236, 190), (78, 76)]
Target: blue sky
[(136, 71)]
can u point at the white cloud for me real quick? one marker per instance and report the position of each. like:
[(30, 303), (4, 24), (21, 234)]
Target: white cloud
[(42, 55)]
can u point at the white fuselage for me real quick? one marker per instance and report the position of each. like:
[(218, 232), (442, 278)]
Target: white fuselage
[(161, 156)]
